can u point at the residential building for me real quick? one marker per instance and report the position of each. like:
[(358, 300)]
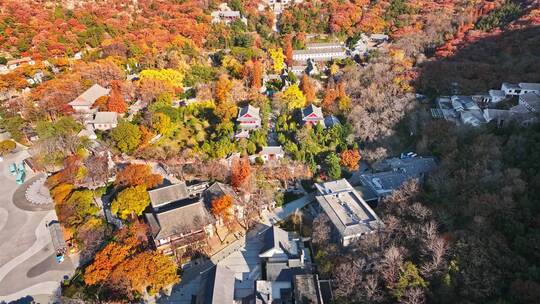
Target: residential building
[(178, 217), (168, 194), (216, 287), (392, 173), (226, 15), (270, 153), (312, 115), (378, 38), (531, 101), (15, 63), (287, 274), (104, 121), (496, 96), (176, 225), (298, 70), (83, 104), (458, 109), (248, 119), (520, 88), (320, 52), (351, 216)]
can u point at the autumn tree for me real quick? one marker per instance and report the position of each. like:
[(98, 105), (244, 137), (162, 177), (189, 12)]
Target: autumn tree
[(61, 192), (350, 159), (137, 174), (288, 50), (7, 146), (308, 89), (161, 123), (148, 271), (130, 202), (126, 136), (128, 267), (116, 102), (278, 59), (256, 75), (293, 97), (221, 206), (240, 172), (223, 89)]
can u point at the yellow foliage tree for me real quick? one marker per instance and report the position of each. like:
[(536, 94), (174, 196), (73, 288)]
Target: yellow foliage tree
[(172, 77), (294, 97), (278, 59)]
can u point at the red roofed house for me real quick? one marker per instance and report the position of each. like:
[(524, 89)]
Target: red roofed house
[(312, 115), (248, 119)]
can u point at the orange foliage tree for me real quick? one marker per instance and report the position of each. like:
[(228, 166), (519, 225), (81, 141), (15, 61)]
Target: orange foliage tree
[(116, 101), (240, 172), (256, 75), (350, 159), (127, 266), (288, 50), (138, 174), (221, 206), (308, 89), (223, 89)]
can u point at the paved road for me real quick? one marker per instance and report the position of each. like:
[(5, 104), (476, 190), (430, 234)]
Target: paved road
[(27, 264)]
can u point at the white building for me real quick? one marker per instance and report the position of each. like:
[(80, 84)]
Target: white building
[(320, 52), (272, 153), (104, 121), (15, 63), (520, 88), (83, 104), (226, 15)]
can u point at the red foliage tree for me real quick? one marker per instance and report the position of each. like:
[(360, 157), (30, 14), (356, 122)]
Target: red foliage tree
[(240, 172), (116, 101)]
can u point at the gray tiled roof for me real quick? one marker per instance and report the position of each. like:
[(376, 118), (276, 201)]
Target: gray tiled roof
[(217, 286), (306, 289), (252, 111), (90, 96), (529, 86), (192, 216), (324, 45), (168, 194), (312, 109), (105, 118), (217, 190), (349, 213), (275, 237), (331, 120)]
